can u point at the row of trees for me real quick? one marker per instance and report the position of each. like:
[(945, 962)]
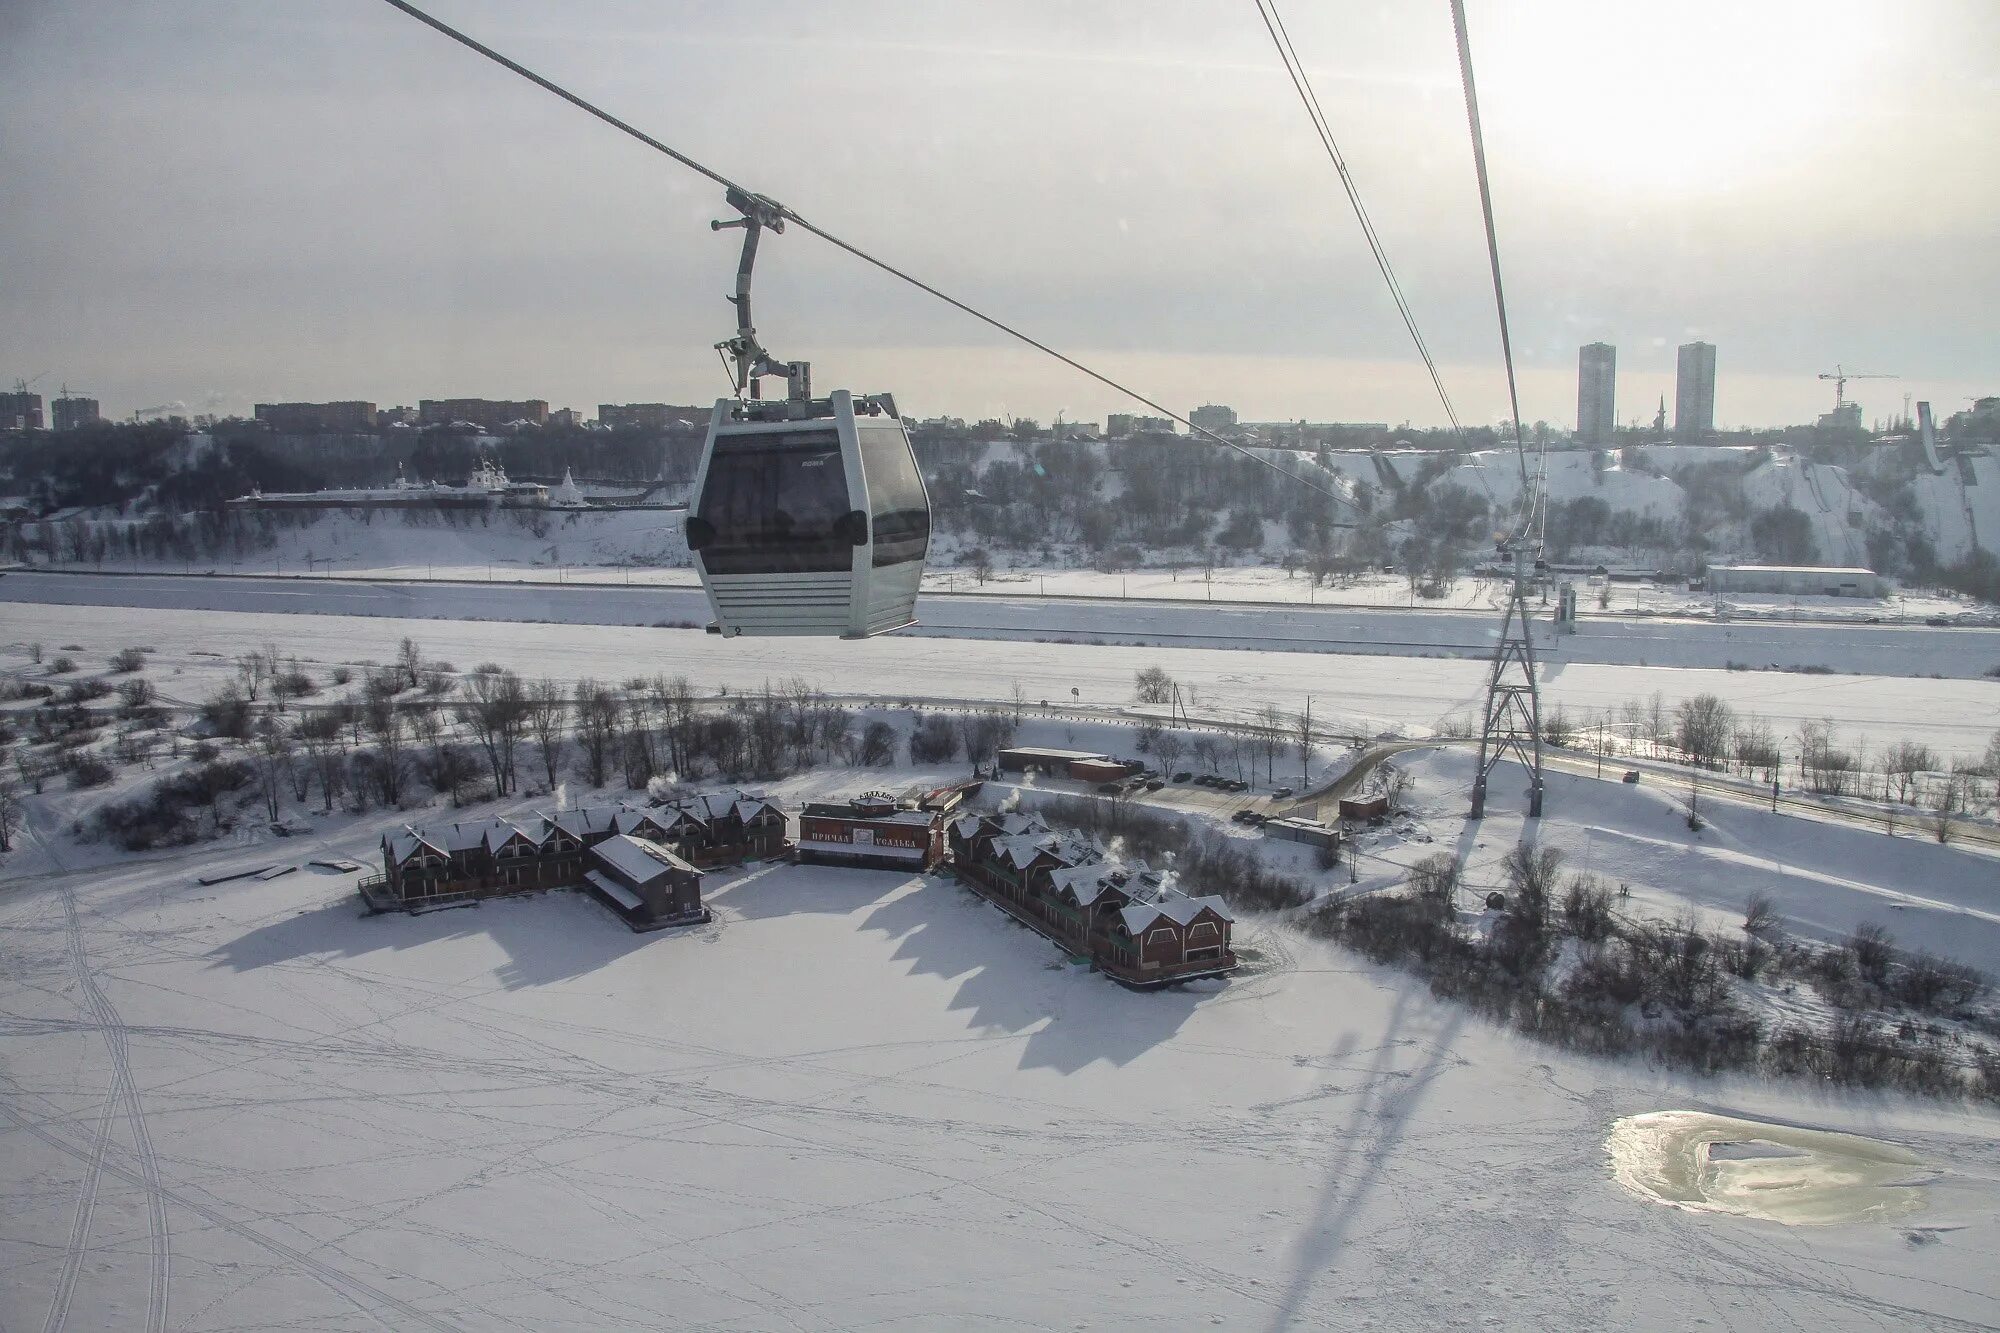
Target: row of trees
[(1705, 733)]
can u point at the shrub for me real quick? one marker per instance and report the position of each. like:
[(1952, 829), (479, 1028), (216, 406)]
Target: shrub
[(1433, 882), (83, 691), (1873, 949), (1586, 908), (341, 675), (1760, 915), (62, 666), (87, 770), (935, 741), (1930, 984), (292, 684), (169, 813), (128, 659), (227, 713)]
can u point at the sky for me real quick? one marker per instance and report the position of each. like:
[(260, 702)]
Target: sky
[(218, 202)]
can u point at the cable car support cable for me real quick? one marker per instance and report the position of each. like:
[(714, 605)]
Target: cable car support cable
[(1274, 23), (771, 211)]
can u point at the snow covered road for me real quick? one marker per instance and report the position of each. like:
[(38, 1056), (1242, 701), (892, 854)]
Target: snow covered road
[(1622, 640)]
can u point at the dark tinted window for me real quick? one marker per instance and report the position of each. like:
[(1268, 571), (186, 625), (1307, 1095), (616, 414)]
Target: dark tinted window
[(902, 517), (773, 501)]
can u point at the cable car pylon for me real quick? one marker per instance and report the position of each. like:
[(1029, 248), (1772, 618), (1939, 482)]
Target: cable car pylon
[(1511, 726)]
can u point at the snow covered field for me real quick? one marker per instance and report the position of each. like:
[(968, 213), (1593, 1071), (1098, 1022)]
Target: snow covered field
[(861, 1100), (1359, 693)]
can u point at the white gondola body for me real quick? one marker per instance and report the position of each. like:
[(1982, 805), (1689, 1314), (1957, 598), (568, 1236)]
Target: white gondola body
[(853, 567)]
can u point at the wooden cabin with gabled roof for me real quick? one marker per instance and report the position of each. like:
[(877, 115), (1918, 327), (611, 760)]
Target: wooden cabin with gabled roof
[(1130, 922), (442, 865)]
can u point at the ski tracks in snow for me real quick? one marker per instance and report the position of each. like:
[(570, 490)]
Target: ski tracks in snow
[(125, 1091)]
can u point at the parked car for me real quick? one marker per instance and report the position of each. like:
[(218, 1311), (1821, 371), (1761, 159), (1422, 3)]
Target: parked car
[(1110, 789), (1154, 784), (1240, 817), (1182, 777), (1937, 620), (1632, 776), (1237, 784), (1281, 793)]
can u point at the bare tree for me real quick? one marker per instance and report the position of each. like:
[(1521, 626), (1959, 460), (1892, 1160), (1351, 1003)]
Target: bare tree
[(548, 715), (674, 702), (1702, 729), (1901, 763), (1273, 730), (252, 669), (596, 726), (1434, 882), (410, 658), (1168, 749), (494, 705), (1152, 685), (10, 812), (1208, 753), (323, 734), (275, 757), (35, 769), (385, 726), (1947, 799), (1302, 736)]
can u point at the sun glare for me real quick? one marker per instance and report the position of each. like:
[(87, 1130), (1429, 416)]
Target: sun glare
[(1703, 97)]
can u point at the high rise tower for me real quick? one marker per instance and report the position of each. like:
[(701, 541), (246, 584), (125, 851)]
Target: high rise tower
[(1694, 393), (1596, 393)]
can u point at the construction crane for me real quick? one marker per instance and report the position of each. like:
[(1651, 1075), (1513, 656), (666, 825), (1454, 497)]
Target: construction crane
[(1841, 375)]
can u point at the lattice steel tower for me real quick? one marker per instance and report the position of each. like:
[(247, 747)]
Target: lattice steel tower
[(1512, 725)]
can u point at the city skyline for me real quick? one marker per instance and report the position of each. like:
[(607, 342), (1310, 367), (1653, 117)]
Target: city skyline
[(269, 205)]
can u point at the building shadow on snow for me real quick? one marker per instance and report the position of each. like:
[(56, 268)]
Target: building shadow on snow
[(547, 938), (1010, 979), (762, 892)]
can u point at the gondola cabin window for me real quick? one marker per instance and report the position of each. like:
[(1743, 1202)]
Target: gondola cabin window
[(896, 499), (776, 503)]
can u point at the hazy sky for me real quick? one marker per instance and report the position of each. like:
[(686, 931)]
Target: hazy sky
[(222, 201)]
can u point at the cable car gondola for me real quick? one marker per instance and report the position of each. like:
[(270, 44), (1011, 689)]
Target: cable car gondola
[(809, 524), (808, 514)]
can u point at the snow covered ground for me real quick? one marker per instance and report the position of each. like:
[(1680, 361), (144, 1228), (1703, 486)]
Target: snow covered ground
[(1365, 694), (860, 1099)]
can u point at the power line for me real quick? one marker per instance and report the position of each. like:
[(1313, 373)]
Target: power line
[(789, 216), (1533, 499), (1274, 24)]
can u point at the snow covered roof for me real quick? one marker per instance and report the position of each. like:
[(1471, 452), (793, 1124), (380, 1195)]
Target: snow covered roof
[(581, 823), (1022, 850), (1087, 883), (640, 860), (1175, 906), (1851, 570), (711, 805), (868, 814), (1007, 824)]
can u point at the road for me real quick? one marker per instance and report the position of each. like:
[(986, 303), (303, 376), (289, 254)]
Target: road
[(1963, 653)]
